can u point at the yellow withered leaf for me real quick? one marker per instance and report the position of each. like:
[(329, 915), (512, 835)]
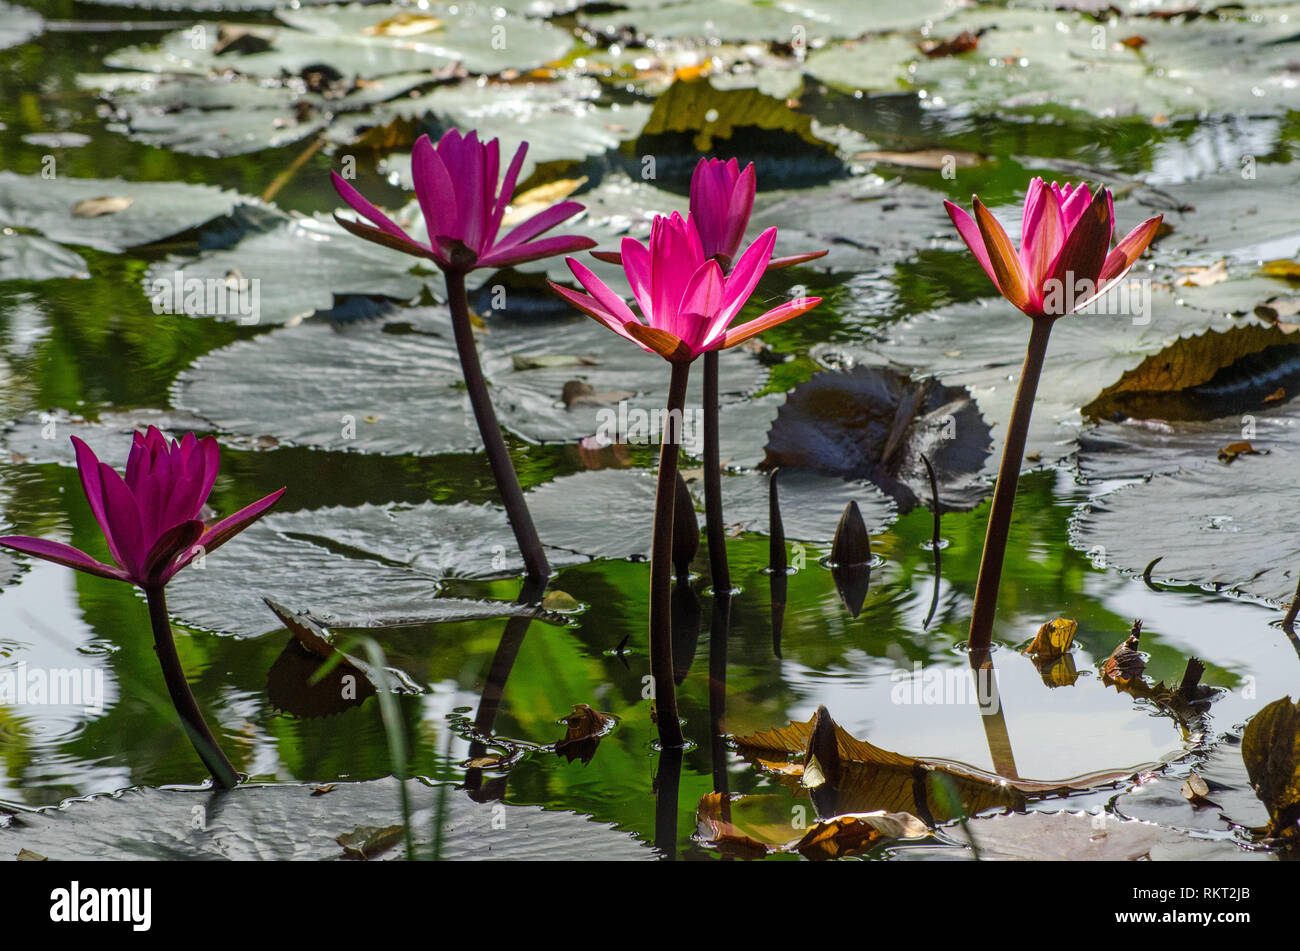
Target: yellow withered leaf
[(406, 23), (1053, 638)]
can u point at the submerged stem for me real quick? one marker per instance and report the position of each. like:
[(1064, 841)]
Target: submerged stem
[(1004, 495), (661, 565), (503, 470), (205, 744), (719, 570)]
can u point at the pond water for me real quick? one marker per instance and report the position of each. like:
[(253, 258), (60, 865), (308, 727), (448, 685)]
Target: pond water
[(88, 347)]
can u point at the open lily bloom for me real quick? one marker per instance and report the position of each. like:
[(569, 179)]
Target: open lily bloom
[(151, 519), (456, 185), (686, 302), (1065, 259)]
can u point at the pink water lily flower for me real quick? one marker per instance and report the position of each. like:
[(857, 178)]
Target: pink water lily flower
[(151, 519), (686, 302), (1065, 259), (456, 186)]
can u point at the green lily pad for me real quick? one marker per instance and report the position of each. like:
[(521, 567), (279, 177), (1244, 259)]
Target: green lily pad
[(781, 21), (399, 380), (1073, 837), (1228, 527), (280, 822), (18, 24), (109, 214), (28, 257), (1241, 215), (302, 266), (1233, 803), (560, 120), (368, 566), (980, 345), (199, 116), (336, 36)]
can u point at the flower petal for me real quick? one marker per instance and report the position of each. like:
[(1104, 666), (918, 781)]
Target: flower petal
[(88, 468), (614, 305), (508, 189), (1086, 247), (226, 529), (1130, 249), (357, 202), (970, 233), (62, 554), (667, 345), (435, 192), (592, 308), (123, 516), (171, 544), (541, 222), (777, 315), (536, 250), (792, 260), (405, 245), (1003, 257)]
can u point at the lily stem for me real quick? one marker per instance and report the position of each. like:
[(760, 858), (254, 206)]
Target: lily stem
[(719, 570), (1004, 495), (661, 565), (205, 744), (503, 470)]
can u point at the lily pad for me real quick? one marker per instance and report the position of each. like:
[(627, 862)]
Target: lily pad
[(286, 822), (302, 266), (1074, 837), (1050, 61), (1228, 527), (1161, 799), (42, 438), (560, 120), (109, 214), (28, 257), (368, 566), (18, 24), (875, 423), (980, 345), (781, 21), (336, 36), (235, 116), (399, 381), (1241, 215)]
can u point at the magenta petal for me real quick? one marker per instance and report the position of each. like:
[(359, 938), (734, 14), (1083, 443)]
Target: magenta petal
[(610, 302), (176, 541), (357, 202), (541, 222), (433, 189), (536, 250), (591, 307), (700, 313), (635, 258), (124, 520), (88, 467), (226, 529), (970, 233), (62, 554), (508, 188), (741, 205)]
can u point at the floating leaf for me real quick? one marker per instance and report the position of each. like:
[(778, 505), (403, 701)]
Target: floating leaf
[(285, 821), (875, 423), (27, 257), (366, 842), (584, 729), (1126, 661), (1203, 376), (872, 778), (1053, 638), (1077, 837), (1161, 798), (403, 369), (152, 210), (1271, 750)]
